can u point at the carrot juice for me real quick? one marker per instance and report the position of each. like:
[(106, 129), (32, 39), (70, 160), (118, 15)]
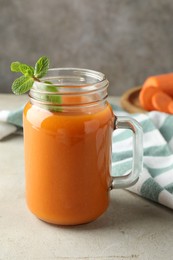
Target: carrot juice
[(67, 140)]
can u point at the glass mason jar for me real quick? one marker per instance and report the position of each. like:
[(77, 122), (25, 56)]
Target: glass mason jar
[(68, 126)]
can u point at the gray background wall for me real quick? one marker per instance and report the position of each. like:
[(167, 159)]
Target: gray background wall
[(128, 40)]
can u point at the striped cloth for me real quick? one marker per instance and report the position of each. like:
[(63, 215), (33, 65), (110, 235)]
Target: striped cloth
[(156, 180)]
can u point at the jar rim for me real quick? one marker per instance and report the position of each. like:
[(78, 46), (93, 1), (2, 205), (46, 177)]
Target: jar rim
[(69, 84), (79, 69), (72, 80), (72, 72)]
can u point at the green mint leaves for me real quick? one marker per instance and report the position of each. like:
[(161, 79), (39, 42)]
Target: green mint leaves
[(31, 74), (23, 68), (41, 67), (24, 83), (15, 66)]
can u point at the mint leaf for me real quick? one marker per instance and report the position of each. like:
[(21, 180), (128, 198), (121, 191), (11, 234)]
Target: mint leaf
[(22, 85), (41, 67), (50, 88), (26, 70), (54, 98), (23, 68), (15, 66)]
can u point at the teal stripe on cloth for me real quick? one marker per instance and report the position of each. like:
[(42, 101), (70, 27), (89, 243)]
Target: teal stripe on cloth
[(121, 168), (151, 189), (162, 150), (121, 135), (119, 156), (166, 130), (169, 188), (147, 126), (15, 117), (157, 171)]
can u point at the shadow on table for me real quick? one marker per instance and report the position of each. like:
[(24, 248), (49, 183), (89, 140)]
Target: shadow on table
[(126, 211)]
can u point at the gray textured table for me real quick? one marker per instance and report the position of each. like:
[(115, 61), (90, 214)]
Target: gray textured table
[(132, 227)]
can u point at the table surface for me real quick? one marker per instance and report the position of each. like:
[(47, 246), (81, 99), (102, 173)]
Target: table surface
[(131, 228)]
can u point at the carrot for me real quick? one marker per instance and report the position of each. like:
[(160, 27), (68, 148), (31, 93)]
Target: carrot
[(164, 82), (145, 97), (161, 101), (170, 107)]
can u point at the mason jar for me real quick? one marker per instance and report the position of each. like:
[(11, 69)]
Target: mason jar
[(68, 126)]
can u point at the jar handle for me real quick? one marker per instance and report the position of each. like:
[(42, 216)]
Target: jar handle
[(132, 177)]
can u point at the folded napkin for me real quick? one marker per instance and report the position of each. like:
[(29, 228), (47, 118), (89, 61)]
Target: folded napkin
[(156, 180)]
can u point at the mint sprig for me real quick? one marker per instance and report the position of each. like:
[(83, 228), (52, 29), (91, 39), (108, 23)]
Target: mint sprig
[(30, 74)]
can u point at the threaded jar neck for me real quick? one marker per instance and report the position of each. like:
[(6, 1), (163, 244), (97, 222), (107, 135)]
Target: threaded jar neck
[(70, 87)]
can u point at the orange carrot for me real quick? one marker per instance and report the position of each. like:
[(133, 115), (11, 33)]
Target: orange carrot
[(170, 107), (161, 101), (164, 82), (145, 97)]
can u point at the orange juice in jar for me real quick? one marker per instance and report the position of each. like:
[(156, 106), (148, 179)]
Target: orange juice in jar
[(67, 137)]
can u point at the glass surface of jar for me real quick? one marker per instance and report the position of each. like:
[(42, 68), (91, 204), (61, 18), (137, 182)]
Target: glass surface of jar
[(68, 125)]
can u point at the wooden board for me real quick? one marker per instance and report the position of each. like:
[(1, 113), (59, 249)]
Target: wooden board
[(130, 101)]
